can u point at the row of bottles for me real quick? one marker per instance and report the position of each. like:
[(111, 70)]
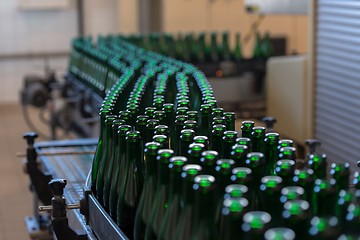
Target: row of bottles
[(170, 164), (202, 47)]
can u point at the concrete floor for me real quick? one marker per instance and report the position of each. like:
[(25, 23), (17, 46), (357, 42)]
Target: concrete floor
[(15, 198)]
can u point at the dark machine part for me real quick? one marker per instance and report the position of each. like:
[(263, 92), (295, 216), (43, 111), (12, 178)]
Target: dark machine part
[(78, 112), (58, 208)]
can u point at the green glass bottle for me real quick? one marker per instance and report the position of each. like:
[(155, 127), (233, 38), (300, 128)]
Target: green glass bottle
[(187, 201), (245, 142), (285, 143), (100, 148), (341, 173), (169, 120), (246, 129), (133, 183), (232, 213), (256, 223), (162, 130), (356, 180), (192, 115), (213, 48), (305, 179), (267, 47), (296, 215), (255, 161), (280, 233), (351, 225), (237, 53), (148, 193), (149, 111), (238, 154), (230, 121), (120, 173), (257, 52), (285, 169), (194, 152), (243, 176), (219, 120), (105, 158), (208, 161), (205, 198), (345, 198), (228, 141), (318, 163), (161, 196), (324, 197), (322, 228), (258, 139), (216, 139), (202, 140), (112, 162), (287, 153), (150, 129), (271, 152), (292, 193), (270, 193), (141, 122), (163, 140), (169, 224), (186, 138), (205, 120), (179, 125)]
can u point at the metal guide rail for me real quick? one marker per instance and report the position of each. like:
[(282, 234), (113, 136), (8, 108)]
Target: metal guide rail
[(70, 160)]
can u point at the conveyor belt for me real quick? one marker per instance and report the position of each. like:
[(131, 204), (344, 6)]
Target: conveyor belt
[(74, 168)]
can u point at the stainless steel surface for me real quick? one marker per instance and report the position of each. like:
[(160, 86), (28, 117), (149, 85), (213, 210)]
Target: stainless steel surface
[(337, 53), (103, 229)]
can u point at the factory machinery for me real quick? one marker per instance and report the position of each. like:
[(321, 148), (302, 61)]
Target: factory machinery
[(169, 163)]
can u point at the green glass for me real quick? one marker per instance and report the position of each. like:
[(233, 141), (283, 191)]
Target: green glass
[(213, 48), (208, 161), (270, 193), (345, 198), (120, 173), (225, 47), (161, 198), (256, 162), (287, 153), (318, 163), (322, 228), (237, 53), (163, 140), (243, 175), (179, 125), (113, 162), (160, 116), (236, 191), (202, 140), (189, 124), (148, 193), (352, 222), (324, 197), (285, 143), (205, 198), (169, 121), (296, 215), (257, 52), (187, 201), (244, 141), (217, 112), (172, 215), (285, 169), (150, 129), (182, 111), (267, 47), (216, 138), (232, 213), (192, 115), (246, 129), (292, 193), (186, 138), (305, 178), (258, 139), (230, 121), (133, 183), (149, 111), (356, 180), (280, 233), (223, 172), (99, 149), (141, 122), (105, 158), (348, 237), (219, 121), (162, 130), (271, 152), (194, 152), (205, 120), (256, 223), (238, 154), (341, 173), (228, 141)]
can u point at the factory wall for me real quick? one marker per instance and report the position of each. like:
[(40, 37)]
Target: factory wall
[(25, 33)]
